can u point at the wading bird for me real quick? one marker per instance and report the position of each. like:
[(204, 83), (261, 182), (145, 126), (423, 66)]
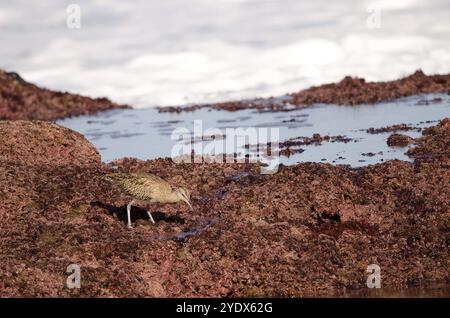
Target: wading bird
[(148, 187)]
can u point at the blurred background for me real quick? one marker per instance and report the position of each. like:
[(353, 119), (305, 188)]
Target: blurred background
[(156, 53)]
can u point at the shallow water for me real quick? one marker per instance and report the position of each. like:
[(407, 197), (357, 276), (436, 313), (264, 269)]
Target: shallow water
[(146, 134)]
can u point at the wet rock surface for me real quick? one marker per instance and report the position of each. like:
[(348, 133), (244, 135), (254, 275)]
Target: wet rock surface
[(435, 143), (292, 145), (398, 140), (311, 229), (22, 100), (393, 128)]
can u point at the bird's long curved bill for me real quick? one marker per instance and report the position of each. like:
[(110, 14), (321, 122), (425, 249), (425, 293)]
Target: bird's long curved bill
[(189, 203)]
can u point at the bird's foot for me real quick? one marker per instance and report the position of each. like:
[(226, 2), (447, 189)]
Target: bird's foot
[(129, 226)]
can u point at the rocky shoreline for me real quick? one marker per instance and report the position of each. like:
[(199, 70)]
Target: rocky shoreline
[(22, 100), (311, 229), (349, 91)]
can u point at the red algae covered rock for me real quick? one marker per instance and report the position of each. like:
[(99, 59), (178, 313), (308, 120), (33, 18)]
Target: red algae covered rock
[(22, 100), (310, 229), (352, 91), (349, 91), (393, 128), (44, 143), (435, 142), (398, 140)]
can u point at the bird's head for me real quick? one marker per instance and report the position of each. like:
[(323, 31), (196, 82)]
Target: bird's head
[(184, 195)]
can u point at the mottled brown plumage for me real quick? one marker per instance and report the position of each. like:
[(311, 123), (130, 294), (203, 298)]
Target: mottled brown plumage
[(148, 187)]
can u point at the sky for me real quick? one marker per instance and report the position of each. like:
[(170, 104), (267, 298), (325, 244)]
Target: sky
[(160, 53)]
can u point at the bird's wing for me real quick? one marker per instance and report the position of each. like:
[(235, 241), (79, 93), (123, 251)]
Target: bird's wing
[(141, 185), (152, 181)]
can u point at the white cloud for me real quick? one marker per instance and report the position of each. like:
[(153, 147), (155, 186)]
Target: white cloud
[(149, 53), (393, 5), (9, 16)]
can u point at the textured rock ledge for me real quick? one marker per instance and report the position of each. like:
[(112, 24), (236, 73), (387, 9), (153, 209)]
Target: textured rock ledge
[(22, 100), (349, 91), (308, 230)]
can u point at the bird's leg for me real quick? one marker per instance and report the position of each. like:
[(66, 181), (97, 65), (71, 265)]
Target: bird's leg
[(150, 217), (129, 213)]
